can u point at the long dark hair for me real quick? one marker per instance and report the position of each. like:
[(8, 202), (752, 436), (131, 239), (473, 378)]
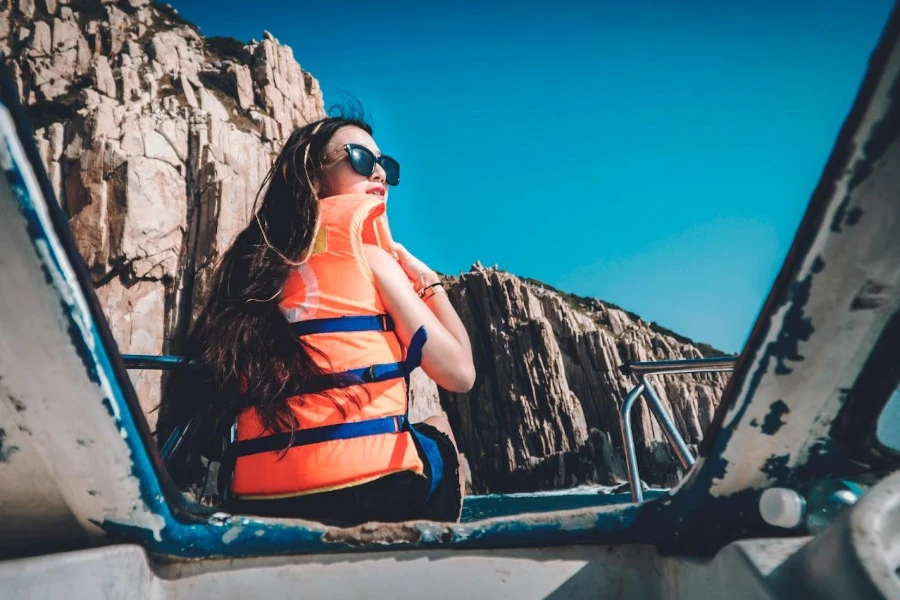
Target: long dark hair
[(241, 350)]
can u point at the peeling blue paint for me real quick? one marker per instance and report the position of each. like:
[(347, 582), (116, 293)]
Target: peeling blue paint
[(93, 363), (883, 134), (822, 447), (772, 423), (840, 214), (250, 536), (776, 468), (6, 450), (797, 327), (881, 137), (37, 232), (853, 216), (872, 295)]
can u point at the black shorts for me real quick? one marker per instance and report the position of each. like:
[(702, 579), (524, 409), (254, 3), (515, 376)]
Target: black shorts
[(392, 498)]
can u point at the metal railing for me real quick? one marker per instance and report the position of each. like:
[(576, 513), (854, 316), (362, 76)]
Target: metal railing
[(644, 388), (160, 363), (149, 361), (640, 370)]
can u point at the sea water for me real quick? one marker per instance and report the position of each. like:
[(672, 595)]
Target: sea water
[(502, 505)]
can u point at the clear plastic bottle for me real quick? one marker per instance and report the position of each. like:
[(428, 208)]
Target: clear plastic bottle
[(815, 510), (827, 499)]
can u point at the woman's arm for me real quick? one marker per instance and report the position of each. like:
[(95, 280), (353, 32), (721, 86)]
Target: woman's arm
[(447, 356)]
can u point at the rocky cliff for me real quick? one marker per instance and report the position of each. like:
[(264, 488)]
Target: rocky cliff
[(156, 140), (543, 413)]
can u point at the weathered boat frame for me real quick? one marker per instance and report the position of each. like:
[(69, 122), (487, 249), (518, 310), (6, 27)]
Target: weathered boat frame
[(79, 467)]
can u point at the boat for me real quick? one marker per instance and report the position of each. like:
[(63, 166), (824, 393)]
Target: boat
[(87, 508)]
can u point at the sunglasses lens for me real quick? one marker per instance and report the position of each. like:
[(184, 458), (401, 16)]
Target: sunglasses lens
[(391, 169), (362, 160)]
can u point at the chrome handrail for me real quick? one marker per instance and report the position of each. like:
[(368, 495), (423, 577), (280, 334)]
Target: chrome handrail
[(149, 361), (689, 365), (644, 388)]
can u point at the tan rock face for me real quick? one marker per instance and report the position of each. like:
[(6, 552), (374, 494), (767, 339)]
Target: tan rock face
[(243, 84), (156, 146), (103, 77), (425, 399), (286, 91), (41, 41), (156, 166), (133, 310), (26, 8)]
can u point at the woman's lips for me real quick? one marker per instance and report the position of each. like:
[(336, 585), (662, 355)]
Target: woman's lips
[(376, 191)]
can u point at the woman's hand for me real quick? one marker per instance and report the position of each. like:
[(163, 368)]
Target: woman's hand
[(417, 271)]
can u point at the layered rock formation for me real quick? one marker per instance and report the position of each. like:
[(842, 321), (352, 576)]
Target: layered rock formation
[(156, 141), (543, 413)]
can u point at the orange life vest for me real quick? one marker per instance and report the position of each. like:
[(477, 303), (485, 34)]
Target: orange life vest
[(332, 302)]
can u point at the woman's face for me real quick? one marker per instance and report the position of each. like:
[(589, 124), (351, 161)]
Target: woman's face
[(340, 178)]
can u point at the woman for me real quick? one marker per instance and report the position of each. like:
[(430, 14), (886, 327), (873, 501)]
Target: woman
[(315, 319)]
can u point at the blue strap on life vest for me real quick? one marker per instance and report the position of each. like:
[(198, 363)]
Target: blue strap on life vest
[(429, 446), (433, 456), (343, 324), (373, 373), (414, 351), (370, 374), (315, 435)]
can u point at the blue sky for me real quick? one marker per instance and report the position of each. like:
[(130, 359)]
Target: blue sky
[(658, 155)]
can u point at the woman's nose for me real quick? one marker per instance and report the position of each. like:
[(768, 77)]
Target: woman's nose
[(378, 174)]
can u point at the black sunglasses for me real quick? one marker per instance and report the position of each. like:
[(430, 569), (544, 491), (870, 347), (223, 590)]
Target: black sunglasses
[(363, 162)]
